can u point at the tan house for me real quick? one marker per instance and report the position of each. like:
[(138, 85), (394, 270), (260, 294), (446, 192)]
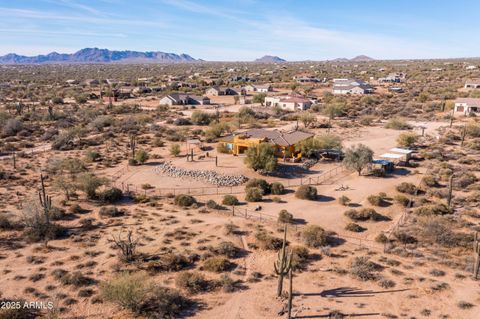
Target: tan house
[(467, 106), (284, 143), (472, 84)]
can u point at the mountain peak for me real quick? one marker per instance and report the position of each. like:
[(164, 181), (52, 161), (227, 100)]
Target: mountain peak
[(96, 55), (270, 59), (361, 58)]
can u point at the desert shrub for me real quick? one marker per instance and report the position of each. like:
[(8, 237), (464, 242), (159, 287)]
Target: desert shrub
[(430, 181), (254, 194), (183, 200), (267, 241), (227, 249), (259, 183), (364, 269), (37, 233), (173, 262), (285, 217), (111, 195), (192, 281), (358, 157), (402, 200), (227, 283), (230, 200), (465, 180), (277, 188), (344, 200), (89, 183), (6, 223), (111, 211), (363, 214), (300, 257), (433, 209), (381, 238), (306, 192), (407, 139), (141, 156), (174, 149), (182, 121), (465, 305), (397, 123), (201, 118), (314, 236), (212, 204), (386, 283), (366, 120), (377, 200), (76, 279), (353, 227), (407, 188), (217, 264), (92, 156), (138, 294), (405, 238)]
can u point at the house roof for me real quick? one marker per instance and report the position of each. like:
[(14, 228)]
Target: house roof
[(278, 137), (293, 99), (473, 81), (475, 102)]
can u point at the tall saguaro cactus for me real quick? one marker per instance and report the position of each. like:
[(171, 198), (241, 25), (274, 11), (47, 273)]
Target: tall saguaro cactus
[(45, 201), (476, 250), (290, 289), (133, 144), (283, 263)]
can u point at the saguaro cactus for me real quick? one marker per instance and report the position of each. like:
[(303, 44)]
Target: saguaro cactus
[(290, 289), (283, 263), (464, 133), (450, 189), (133, 144), (476, 250), (45, 201)]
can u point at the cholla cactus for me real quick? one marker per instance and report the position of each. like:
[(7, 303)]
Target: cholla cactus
[(283, 263)]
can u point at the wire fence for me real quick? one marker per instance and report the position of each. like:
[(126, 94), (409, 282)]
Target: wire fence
[(320, 179)]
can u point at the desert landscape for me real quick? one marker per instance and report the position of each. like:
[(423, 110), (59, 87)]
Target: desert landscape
[(226, 183)]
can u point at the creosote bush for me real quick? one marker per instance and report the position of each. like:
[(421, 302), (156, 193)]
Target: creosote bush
[(192, 281), (183, 200), (306, 192), (363, 214), (314, 236), (285, 217), (217, 264), (277, 188), (407, 188), (254, 194), (230, 200)]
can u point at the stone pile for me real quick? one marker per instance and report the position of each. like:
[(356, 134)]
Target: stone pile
[(307, 164), (207, 176)]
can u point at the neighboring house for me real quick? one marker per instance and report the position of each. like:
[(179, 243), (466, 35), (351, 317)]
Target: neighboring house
[(392, 78), (216, 91), (351, 86), (472, 84), (284, 143), (258, 88), (470, 67), (467, 106), (307, 79), (288, 102), (184, 99)]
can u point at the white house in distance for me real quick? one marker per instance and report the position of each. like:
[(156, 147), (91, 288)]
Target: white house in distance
[(351, 86), (184, 99), (467, 106), (472, 84), (288, 102), (264, 88)]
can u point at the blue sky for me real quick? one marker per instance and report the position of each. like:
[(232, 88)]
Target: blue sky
[(245, 29)]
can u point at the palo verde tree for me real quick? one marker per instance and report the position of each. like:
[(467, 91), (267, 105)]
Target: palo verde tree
[(358, 157), (261, 157)]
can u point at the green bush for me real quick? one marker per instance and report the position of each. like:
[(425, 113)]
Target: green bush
[(139, 294), (217, 264), (112, 195), (285, 217), (193, 282), (314, 236), (183, 200), (402, 200), (434, 209), (212, 204), (277, 188), (259, 183), (363, 214), (300, 257), (230, 200), (377, 200), (306, 192), (267, 241), (141, 156), (430, 180), (381, 238), (254, 194), (397, 123)]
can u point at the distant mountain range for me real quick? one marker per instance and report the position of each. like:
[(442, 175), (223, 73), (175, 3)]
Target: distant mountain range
[(95, 55), (270, 59), (358, 58)]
